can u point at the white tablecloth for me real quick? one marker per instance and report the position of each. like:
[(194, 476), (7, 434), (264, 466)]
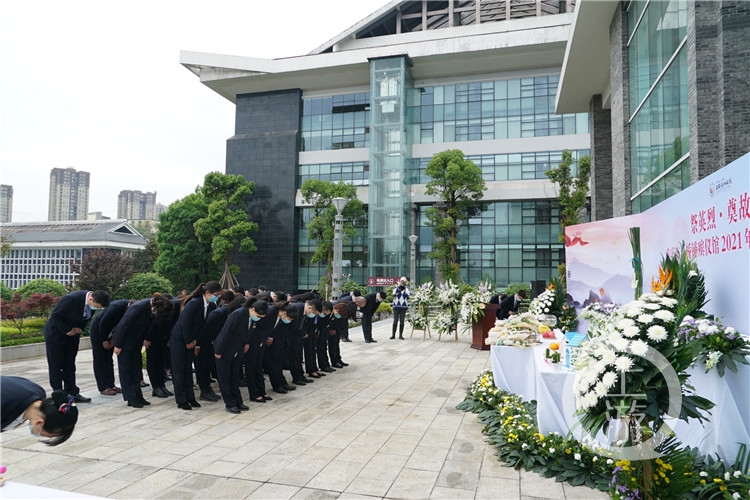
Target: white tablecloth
[(524, 372)]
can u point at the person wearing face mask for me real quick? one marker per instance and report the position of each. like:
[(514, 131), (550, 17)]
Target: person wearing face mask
[(231, 345), (321, 347), (311, 340), (62, 335), (367, 306), (283, 327), (400, 305), (184, 337), (204, 359), (338, 321), (302, 326), (129, 336), (261, 324), (24, 401)]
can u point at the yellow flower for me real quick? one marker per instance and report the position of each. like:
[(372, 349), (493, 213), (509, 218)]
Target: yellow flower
[(718, 480), (541, 437), (723, 488)]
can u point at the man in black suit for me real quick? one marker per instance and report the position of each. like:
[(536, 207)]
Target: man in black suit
[(62, 334), (509, 305), (367, 306)]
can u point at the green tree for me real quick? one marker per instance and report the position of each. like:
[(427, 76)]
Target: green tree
[(143, 285), (319, 195), (143, 260), (458, 185), (226, 226), (43, 286), (5, 243), (571, 192), (182, 259), (6, 292), (103, 269)]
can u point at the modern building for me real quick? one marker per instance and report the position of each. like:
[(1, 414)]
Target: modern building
[(68, 194), (665, 83), (46, 249), (6, 203), (97, 216), (135, 205), (372, 106)]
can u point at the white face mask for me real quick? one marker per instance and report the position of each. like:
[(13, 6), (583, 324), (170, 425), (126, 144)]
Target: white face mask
[(31, 430)]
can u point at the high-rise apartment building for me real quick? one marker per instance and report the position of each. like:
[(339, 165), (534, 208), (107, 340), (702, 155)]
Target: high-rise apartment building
[(68, 194), (135, 205), (6, 203)]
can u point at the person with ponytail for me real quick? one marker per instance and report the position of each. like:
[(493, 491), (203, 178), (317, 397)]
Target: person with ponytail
[(184, 338), (24, 401)]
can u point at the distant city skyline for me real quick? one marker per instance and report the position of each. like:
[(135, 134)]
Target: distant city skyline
[(68, 194), (6, 203)]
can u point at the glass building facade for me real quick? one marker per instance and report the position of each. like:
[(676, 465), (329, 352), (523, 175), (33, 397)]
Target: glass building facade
[(658, 87), (510, 241)]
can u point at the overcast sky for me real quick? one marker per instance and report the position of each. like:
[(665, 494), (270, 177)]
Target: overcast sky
[(98, 86)]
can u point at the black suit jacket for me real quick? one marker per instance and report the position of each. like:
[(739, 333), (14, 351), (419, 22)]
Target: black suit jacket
[(189, 323), (160, 332), (66, 315), (105, 321), (371, 304), (131, 330), (233, 336), (214, 322), (507, 305)]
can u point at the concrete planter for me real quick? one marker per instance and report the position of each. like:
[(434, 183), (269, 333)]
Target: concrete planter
[(12, 352)]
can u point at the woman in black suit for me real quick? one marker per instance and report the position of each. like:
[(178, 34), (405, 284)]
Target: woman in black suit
[(205, 361), (230, 346), (184, 337), (129, 337)]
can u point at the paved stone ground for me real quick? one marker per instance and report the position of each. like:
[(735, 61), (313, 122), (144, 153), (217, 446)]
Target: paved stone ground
[(384, 427)]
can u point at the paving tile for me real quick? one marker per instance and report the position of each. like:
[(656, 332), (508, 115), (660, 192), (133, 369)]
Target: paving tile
[(450, 493), (583, 493), (457, 474), (534, 485), (269, 491), (336, 475), (492, 488), (412, 483), (310, 494), (369, 486)]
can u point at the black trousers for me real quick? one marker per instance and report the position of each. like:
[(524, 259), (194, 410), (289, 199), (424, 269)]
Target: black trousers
[(228, 375), (203, 366), (273, 362), (399, 317), (333, 347), (104, 368), (155, 363), (61, 361), (294, 351), (182, 373), (256, 384), (366, 326), (321, 349), (310, 361), (129, 364)]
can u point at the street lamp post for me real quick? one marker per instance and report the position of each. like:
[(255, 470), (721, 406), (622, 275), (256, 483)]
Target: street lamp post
[(338, 230), (413, 258)]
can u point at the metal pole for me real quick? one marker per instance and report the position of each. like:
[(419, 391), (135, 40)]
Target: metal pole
[(338, 230), (413, 258)]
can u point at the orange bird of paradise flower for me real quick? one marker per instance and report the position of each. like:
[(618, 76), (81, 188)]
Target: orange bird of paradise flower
[(665, 278)]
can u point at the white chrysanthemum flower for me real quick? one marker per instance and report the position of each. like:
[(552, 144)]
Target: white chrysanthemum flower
[(609, 357), (633, 312), (687, 319), (599, 367), (712, 329), (577, 456), (652, 307), (631, 331), (621, 344), (729, 330), (623, 363), (664, 315), (639, 347), (645, 319), (625, 323), (657, 333), (600, 389), (590, 399), (668, 301), (609, 379)]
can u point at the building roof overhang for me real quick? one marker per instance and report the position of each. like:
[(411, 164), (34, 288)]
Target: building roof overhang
[(537, 42), (585, 70)]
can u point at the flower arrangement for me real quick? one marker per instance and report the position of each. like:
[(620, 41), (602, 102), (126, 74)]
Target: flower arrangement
[(720, 347), (519, 330), (617, 354), (472, 302), (542, 303), (554, 301), (679, 473), (448, 299), (419, 305), (598, 314)]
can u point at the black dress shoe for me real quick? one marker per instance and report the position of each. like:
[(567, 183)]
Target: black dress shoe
[(391, 338), (215, 396), (329, 370), (194, 404), (158, 392), (243, 407), (79, 398), (135, 404), (267, 397), (184, 406), (299, 382), (280, 390), (345, 340), (233, 409), (338, 365), (314, 375), (373, 341), (343, 364), (307, 380), (259, 400), (207, 397), (401, 337), (167, 391), (289, 387), (144, 402)]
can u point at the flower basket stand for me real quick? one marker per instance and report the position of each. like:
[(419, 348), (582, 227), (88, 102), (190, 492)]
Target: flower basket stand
[(480, 329), (425, 331), (455, 332)]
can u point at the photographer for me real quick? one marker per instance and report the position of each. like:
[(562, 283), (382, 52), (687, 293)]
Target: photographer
[(400, 305)]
